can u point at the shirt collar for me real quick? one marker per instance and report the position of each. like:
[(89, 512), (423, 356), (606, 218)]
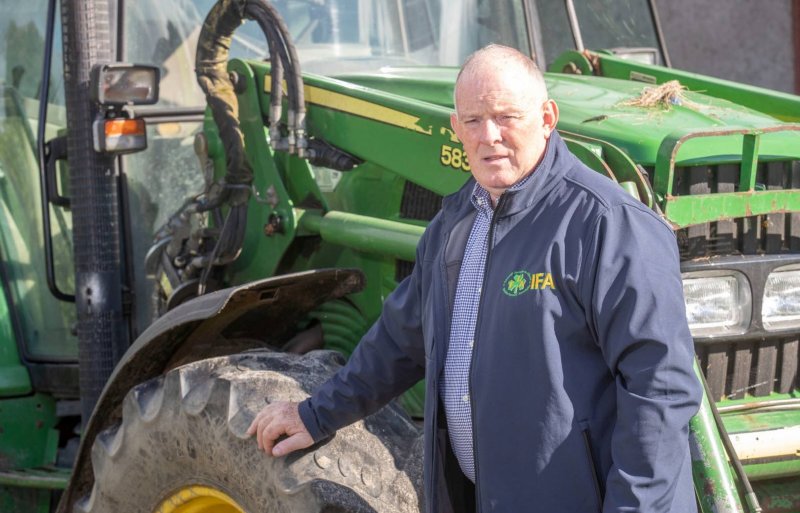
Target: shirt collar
[(482, 200)]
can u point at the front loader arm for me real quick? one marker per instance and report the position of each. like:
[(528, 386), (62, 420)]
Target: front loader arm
[(386, 136)]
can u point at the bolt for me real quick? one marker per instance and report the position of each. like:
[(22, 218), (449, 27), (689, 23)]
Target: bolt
[(239, 85), (372, 480), (322, 461), (274, 225), (346, 467)]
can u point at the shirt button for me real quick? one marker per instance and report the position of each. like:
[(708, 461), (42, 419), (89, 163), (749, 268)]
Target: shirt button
[(471, 343), (465, 398), (480, 289)]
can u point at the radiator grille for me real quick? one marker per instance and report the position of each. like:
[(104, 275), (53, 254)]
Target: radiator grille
[(420, 204), (761, 367), (754, 368), (767, 234)]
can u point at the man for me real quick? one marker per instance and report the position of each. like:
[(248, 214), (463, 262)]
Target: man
[(546, 313)]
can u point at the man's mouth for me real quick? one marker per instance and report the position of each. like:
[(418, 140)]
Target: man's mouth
[(493, 158)]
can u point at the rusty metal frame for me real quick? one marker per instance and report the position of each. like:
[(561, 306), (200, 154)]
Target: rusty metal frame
[(684, 211)]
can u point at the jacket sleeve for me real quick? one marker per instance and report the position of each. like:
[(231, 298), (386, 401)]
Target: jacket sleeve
[(638, 317), (389, 359)]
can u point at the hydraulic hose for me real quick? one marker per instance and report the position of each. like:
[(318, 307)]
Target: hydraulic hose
[(279, 60), (278, 40), (211, 67), (212, 75), (212, 55)]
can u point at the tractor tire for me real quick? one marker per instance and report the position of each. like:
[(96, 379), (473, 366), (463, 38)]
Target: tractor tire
[(181, 445)]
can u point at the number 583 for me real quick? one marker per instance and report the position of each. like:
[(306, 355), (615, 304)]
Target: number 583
[(454, 157)]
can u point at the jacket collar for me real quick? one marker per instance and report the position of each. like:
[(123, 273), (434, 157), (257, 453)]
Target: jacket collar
[(545, 177)]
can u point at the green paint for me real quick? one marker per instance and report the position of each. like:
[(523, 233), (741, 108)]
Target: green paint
[(694, 209), (713, 477), (48, 478), (779, 495), (783, 106), (372, 235), (28, 447), (749, 161), (622, 168), (260, 259), (14, 378), (27, 437), (24, 500), (768, 418), (702, 208)]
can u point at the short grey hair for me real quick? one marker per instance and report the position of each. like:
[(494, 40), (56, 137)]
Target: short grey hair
[(495, 52)]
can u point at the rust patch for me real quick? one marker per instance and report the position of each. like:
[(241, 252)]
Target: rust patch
[(594, 60)]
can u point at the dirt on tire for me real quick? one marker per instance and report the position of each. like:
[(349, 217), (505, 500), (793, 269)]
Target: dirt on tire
[(189, 428)]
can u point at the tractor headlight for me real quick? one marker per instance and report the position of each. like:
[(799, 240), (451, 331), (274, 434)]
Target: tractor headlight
[(781, 307), (717, 303), (124, 84)]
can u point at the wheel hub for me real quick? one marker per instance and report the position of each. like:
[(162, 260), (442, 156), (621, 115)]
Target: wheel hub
[(199, 499)]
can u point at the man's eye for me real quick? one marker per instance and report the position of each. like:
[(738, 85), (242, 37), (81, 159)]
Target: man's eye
[(470, 121)]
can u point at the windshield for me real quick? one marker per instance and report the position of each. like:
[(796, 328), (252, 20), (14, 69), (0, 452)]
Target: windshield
[(331, 36), (621, 25), (616, 24), (344, 36), (365, 34)]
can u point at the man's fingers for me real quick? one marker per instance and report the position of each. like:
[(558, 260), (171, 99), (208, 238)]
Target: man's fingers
[(293, 443), (263, 415), (259, 436), (275, 421), (270, 429), (266, 442), (253, 426)]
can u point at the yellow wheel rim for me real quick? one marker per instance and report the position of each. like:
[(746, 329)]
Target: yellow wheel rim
[(199, 499)]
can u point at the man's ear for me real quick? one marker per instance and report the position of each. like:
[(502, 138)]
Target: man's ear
[(455, 125), (549, 117)]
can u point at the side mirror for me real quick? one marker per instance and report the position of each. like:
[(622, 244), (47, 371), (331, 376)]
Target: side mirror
[(121, 84)]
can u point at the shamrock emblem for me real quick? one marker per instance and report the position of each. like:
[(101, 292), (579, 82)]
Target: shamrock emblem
[(516, 283)]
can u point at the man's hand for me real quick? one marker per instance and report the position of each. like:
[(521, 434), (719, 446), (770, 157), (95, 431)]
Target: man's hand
[(276, 420)]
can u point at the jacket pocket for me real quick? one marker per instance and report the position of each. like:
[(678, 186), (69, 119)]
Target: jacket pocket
[(587, 443)]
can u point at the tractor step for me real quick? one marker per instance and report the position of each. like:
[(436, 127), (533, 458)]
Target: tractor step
[(51, 478)]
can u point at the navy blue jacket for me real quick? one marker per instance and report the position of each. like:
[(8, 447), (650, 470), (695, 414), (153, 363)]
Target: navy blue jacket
[(581, 378)]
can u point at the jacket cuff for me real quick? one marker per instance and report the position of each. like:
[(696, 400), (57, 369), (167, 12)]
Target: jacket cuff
[(309, 418)]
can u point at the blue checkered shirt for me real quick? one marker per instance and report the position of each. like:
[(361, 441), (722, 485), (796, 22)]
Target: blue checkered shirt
[(455, 385)]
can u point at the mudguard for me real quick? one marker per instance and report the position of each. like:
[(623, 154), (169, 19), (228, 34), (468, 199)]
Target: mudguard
[(269, 308)]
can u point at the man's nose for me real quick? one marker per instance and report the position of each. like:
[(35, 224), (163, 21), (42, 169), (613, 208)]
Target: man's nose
[(490, 132)]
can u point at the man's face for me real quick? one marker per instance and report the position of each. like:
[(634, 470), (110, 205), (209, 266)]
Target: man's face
[(503, 124)]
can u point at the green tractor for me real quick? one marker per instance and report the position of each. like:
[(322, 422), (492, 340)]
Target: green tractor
[(187, 253)]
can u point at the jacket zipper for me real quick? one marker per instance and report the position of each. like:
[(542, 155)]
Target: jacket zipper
[(587, 441), (489, 245), (435, 433)]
